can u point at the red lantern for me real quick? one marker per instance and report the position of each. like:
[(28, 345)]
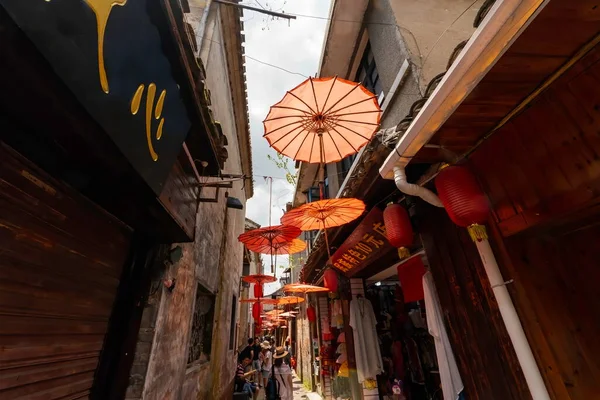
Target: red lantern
[(256, 310), (463, 199), (330, 279), (258, 290), (398, 228), (311, 314)]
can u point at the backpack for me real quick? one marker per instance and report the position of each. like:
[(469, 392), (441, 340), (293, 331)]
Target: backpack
[(272, 389)]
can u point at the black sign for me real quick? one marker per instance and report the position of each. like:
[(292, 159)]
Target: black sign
[(110, 55)]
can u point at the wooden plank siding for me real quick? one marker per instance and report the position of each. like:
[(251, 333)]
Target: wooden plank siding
[(61, 259), (485, 356), (560, 30), (550, 153)]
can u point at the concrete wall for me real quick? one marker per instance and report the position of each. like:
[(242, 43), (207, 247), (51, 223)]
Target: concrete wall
[(431, 30)]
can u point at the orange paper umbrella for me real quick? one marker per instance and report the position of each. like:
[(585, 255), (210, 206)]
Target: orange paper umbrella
[(323, 120), (259, 279), (269, 235), (291, 247), (303, 288), (263, 300), (324, 214), (289, 300)]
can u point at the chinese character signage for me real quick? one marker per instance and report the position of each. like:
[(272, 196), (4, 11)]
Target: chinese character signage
[(366, 243), (110, 54)]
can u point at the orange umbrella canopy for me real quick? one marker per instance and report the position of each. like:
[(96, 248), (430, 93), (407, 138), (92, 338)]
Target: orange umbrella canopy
[(303, 288), (289, 300), (291, 247), (324, 214), (259, 279), (264, 300), (323, 120), (269, 235)]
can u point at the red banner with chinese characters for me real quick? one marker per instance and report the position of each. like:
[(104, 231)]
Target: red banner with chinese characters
[(365, 244)]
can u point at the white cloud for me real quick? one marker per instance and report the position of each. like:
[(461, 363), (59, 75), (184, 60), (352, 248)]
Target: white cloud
[(297, 48)]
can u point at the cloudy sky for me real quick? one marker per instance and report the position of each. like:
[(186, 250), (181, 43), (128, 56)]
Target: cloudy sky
[(295, 47)]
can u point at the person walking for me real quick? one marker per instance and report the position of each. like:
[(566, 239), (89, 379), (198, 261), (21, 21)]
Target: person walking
[(283, 374), (256, 363), (267, 361)]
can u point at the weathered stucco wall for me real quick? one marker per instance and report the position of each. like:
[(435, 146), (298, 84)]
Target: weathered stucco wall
[(214, 261), (431, 30)]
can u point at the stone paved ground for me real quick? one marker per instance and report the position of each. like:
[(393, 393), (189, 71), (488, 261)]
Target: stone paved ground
[(300, 392)]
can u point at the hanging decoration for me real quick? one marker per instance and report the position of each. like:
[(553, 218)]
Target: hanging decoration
[(468, 207), (398, 228), (258, 290), (463, 199), (330, 279), (256, 310), (311, 314)]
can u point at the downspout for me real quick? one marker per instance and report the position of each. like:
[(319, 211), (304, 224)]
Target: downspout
[(413, 189)]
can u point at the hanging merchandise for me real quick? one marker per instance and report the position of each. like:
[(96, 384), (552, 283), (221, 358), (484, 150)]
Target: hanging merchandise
[(344, 371), (452, 384), (410, 275), (337, 315), (330, 279), (258, 290), (311, 314), (398, 228), (368, 355)]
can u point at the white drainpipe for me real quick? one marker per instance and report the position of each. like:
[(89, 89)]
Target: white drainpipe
[(504, 23), (414, 189)]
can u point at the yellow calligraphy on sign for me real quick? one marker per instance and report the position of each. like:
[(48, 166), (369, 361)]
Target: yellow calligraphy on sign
[(102, 9), (135, 107)]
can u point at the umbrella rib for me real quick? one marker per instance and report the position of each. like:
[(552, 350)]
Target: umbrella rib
[(292, 116), (357, 122), (332, 112), (335, 144), (286, 134), (303, 102), (292, 108), (357, 112), (283, 126), (311, 148), (330, 90), (300, 147), (314, 94), (353, 131), (343, 137), (342, 98)]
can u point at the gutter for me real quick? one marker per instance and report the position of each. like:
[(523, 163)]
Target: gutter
[(502, 26)]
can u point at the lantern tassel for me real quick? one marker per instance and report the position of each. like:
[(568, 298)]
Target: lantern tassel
[(403, 253), (477, 232)]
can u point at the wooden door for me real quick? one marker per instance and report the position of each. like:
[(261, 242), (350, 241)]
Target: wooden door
[(61, 259)]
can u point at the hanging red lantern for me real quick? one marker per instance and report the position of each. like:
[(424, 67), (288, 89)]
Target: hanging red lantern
[(311, 314), (256, 310), (463, 199), (330, 279), (258, 290), (398, 228)]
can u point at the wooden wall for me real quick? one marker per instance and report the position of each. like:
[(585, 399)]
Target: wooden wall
[(545, 163), (541, 172), (485, 357)]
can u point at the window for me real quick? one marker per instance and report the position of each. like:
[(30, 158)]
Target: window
[(232, 326), (367, 74), (202, 327)]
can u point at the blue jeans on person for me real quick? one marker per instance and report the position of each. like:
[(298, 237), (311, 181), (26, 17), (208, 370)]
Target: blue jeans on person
[(249, 388)]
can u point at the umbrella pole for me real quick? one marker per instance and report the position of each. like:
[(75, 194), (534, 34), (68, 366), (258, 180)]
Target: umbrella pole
[(326, 242)]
